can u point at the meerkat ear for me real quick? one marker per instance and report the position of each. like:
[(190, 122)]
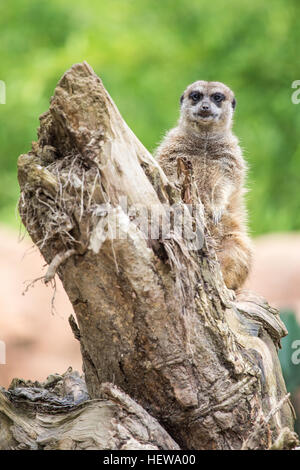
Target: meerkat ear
[(181, 99), (233, 103)]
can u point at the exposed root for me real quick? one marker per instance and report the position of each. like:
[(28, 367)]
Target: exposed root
[(31, 284), (50, 274), (56, 262), (51, 213), (53, 309)]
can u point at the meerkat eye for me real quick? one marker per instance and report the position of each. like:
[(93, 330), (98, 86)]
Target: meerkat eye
[(196, 96), (218, 97)]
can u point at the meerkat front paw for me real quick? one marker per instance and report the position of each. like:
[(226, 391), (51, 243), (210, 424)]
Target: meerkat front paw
[(217, 214), (231, 294)]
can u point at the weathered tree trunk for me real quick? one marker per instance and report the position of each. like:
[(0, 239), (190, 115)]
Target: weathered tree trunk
[(154, 316)]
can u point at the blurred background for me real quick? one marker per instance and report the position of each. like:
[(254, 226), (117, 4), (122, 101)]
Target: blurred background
[(146, 52)]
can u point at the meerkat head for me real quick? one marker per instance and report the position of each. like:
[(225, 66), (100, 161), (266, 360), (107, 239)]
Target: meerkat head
[(207, 106)]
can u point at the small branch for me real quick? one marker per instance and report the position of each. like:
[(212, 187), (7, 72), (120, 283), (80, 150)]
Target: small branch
[(56, 262)]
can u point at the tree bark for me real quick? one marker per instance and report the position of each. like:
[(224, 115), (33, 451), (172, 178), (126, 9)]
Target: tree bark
[(57, 415), (153, 315)]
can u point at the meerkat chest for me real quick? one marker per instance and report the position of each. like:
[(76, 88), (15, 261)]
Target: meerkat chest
[(211, 167)]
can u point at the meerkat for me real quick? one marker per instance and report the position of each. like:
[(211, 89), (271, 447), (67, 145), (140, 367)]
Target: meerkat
[(204, 137)]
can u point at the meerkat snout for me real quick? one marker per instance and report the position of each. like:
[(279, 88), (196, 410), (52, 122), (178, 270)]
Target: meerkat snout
[(208, 105)]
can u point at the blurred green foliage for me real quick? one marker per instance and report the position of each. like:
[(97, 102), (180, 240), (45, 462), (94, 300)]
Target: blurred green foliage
[(146, 52), (289, 357)]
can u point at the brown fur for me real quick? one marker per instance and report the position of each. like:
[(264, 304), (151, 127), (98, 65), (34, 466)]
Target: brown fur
[(219, 170)]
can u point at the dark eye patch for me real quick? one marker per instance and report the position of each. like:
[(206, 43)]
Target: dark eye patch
[(196, 96), (218, 98)]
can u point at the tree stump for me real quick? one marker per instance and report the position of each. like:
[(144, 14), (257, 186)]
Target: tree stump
[(153, 315)]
